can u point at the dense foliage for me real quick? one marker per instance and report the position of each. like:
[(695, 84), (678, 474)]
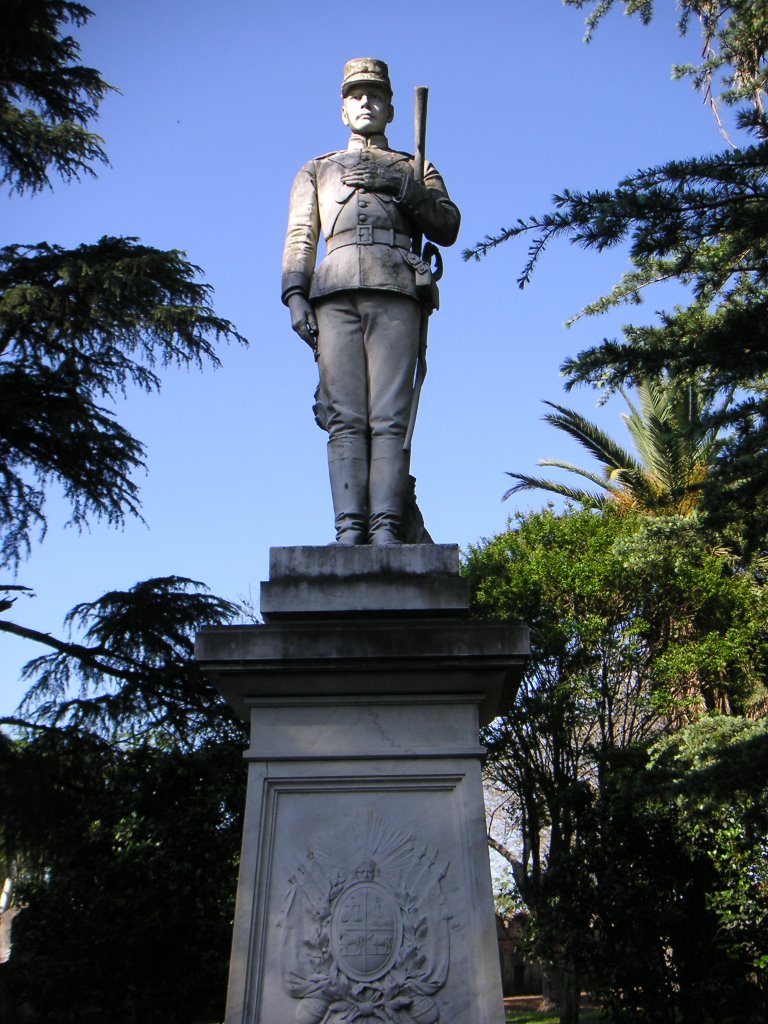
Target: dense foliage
[(678, 861), (39, 66), (634, 759), (638, 628), (122, 785), (121, 817), (126, 867), (702, 222)]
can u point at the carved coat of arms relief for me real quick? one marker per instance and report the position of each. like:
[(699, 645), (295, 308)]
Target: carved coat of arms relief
[(365, 928)]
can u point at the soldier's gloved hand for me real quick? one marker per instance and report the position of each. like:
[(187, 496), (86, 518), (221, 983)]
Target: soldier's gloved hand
[(371, 176), (303, 319)]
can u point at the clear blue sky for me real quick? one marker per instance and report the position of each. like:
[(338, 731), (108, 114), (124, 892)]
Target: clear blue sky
[(221, 104)]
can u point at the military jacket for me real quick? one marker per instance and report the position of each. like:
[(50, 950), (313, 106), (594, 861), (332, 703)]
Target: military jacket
[(367, 234)]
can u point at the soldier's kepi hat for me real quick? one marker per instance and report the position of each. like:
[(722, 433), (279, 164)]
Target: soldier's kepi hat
[(365, 71)]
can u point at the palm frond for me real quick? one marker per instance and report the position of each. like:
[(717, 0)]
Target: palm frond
[(530, 483), (674, 430), (605, 481), (590, 436)]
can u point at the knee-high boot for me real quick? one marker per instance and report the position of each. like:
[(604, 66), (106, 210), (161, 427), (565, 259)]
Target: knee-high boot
[(348, 468), (386, 490)]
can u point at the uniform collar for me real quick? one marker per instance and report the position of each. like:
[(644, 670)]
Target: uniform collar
[(366, 141)]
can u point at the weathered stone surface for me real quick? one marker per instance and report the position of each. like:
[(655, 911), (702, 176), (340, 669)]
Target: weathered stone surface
[(364, 727), (353, 656), (331, 596), (349, 562), (418, 836), (341, 578), (364, 877)]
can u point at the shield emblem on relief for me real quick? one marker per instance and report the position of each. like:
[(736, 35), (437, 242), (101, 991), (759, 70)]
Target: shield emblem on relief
[(366, 931)]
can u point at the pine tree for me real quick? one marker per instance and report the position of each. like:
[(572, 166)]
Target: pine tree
[(76, 325), (132, 667), (703, 222), (77, 328), (118, 720)]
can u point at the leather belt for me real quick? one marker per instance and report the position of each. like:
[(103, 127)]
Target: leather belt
[(366, 234)]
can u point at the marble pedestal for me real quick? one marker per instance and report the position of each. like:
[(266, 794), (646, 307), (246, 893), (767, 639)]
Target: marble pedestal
[(364, 890)]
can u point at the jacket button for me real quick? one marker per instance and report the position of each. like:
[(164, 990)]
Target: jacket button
[(362, 218)]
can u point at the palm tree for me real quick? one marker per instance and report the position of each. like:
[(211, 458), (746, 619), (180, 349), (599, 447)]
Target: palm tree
[(675, 442)]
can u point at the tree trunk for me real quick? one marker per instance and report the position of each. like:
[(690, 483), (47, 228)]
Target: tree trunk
[(570, 997), (561, 993)]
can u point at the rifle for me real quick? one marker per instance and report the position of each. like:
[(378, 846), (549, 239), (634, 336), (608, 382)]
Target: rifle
[(420, 100), (430, 252)]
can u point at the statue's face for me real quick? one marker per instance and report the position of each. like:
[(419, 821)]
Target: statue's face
[(367, 110)]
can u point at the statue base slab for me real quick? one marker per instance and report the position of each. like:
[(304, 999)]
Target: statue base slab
[(364, 887)]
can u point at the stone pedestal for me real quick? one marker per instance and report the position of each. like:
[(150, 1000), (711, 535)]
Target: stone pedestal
[(364, 890)]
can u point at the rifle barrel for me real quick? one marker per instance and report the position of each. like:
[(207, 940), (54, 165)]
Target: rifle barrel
[(420, 131)]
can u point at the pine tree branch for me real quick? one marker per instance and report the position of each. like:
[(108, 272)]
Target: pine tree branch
[(91, 657)]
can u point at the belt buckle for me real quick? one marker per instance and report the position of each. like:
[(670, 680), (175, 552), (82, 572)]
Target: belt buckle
[(365, 234)]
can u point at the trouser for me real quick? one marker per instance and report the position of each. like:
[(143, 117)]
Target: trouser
[(367, 350)]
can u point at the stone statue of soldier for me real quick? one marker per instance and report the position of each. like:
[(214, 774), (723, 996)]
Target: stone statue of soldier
[(360, 310)]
